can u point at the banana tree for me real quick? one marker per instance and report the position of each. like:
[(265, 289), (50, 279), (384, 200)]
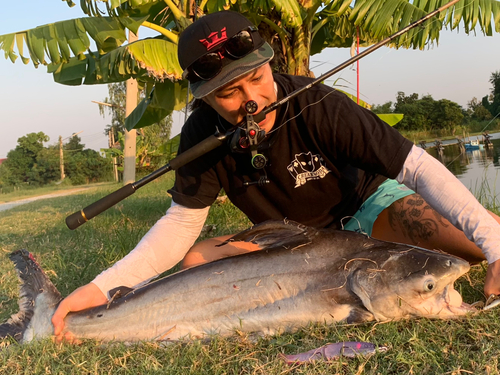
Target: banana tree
[(295, 28)]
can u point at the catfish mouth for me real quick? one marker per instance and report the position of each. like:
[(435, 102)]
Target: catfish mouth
[(454, 305), (446, 302), (427, 293), (445, 305)]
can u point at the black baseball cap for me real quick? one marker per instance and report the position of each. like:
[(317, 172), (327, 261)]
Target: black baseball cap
[(208, 34)]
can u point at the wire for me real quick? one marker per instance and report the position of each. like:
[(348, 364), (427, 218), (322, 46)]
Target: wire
[(498, 114), (298, 114)]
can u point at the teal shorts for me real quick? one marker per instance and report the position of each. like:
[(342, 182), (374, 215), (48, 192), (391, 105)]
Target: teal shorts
[(387, 193)]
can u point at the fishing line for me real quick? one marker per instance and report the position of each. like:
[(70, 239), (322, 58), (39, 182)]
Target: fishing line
[(429, 22), (298, 114), (447, 165), (434, 20), (488, 124), (317, 102), (355, 218), (391, 50)]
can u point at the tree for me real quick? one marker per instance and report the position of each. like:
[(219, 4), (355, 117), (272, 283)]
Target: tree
[(150, 139), (495, 81), (477, 111), (32, 143), (21, 162), (426, 114), (115, 107), (382, 108), (4, 176), (492, 103), (46, 168), (151, 142), (74, 144), (83, 165), (33, 164), (414, 116), (447, 115), (296, 29), (86, 166)]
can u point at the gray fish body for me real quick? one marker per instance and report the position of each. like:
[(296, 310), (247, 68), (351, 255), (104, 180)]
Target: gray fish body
[(302, 275)]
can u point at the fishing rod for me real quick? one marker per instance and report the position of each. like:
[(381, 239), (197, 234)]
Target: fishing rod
[(245, 138), (261, 116)]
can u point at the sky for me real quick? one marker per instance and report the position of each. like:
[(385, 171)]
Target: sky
[(457, 69)]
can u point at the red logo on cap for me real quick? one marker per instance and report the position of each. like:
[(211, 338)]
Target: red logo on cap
[(213, 39)]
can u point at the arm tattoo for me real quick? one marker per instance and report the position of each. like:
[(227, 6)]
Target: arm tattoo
[(410, 215)]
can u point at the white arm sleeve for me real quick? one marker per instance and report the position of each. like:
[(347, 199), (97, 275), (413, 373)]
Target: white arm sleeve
[(166, 243), (449, 197)]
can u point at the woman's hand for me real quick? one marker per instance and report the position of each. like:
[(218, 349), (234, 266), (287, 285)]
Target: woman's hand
[(85, 297), (492, 281)]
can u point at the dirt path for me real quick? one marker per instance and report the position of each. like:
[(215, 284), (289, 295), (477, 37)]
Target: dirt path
[(9, 205)]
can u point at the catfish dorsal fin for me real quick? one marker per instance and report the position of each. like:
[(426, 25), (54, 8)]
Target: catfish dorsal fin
[(273, 234), (33, 282)]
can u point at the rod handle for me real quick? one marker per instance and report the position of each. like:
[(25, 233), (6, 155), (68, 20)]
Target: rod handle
[(78, 218), (198, 150)]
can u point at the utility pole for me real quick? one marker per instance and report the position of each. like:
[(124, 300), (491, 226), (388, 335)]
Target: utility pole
[(61, 153), (111, 142), (130, 136), (111, 138), (61, 158)]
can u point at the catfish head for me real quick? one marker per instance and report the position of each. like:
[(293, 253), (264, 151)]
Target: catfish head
[(410, 282)]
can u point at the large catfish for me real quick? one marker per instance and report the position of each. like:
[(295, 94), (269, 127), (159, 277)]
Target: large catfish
[(301, 275)]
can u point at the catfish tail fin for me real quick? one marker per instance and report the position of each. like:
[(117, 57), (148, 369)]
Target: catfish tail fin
[(34, 282)]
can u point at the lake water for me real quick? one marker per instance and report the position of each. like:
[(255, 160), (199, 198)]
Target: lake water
[(479, 170)]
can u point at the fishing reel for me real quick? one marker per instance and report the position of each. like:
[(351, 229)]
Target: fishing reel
[(247, 137)]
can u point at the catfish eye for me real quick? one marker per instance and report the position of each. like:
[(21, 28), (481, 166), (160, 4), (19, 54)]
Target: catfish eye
[(429, 285)]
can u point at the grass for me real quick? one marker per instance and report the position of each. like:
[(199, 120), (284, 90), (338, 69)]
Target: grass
[(72, 258), (485, 191), (17, 194)]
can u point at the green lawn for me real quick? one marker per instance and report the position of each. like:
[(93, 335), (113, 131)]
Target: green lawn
[(72, 258), (19, 194)]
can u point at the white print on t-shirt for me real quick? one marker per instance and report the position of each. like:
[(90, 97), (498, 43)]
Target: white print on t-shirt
[(305, 167)]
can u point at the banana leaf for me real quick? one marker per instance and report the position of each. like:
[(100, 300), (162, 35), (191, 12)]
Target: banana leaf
[(52, 43)]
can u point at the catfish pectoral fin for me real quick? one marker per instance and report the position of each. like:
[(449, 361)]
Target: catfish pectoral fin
[(358, 315)]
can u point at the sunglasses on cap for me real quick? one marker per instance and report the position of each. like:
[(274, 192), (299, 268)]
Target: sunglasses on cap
[(209, 65)]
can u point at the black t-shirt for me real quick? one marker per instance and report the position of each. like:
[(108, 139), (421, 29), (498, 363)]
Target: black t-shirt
[(326, 156)]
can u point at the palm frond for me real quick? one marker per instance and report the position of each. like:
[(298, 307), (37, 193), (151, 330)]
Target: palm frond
[(71, 4), (165, 98), (289, 10), (338, 31), (157, 11), (218, 5), (151, 59), (54, 43), (381, 18)]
